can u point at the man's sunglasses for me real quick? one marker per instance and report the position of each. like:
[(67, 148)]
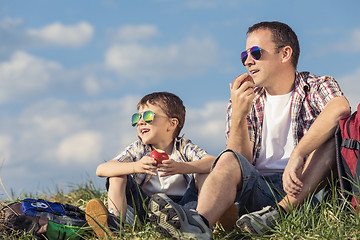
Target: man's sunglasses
[(255, 53), (147, 116)]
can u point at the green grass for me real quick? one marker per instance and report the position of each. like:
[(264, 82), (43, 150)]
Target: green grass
[(332, 219)]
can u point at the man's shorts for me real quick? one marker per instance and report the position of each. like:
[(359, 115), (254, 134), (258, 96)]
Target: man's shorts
[(257, 191)]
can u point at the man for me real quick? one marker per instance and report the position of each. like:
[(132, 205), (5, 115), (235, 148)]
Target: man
[(280, 146)]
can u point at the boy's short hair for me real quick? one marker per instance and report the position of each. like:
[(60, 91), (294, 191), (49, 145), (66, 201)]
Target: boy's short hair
[(171, 104), (282, 35)]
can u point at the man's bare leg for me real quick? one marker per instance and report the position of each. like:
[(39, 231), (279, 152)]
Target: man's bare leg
[(219, 189), (316, 171)]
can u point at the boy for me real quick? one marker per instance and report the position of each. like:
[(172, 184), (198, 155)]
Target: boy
[(133, 176)]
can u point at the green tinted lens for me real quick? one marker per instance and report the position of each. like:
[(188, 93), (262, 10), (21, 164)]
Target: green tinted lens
[(148, 116), (135, 119)]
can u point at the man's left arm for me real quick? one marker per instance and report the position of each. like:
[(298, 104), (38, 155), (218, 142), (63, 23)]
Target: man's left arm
[(320, 131)]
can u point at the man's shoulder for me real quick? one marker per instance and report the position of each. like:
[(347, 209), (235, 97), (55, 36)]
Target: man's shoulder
[(310, 78)]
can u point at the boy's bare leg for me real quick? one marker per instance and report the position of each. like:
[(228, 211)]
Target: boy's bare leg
[(316, 171), (117, 203), (219, 189)]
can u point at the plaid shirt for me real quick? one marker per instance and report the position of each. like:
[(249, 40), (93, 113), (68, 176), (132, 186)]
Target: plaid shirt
[(311, 93), (184, 151)]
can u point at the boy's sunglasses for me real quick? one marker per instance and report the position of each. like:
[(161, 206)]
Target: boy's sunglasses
[(255, 53), (148, 117)]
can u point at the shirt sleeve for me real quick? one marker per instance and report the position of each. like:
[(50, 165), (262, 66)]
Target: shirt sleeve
[(326, 88), (228, 120), (132, 153), (191, 152)]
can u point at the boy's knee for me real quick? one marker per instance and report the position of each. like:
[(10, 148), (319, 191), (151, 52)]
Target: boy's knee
[(117, 181)]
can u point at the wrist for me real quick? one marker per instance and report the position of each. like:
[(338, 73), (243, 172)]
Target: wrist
[(133, 168)]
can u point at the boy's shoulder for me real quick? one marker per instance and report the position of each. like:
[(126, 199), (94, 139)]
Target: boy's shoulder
[(182, 140)]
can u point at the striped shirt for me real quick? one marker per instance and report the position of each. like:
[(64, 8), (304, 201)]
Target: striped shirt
[(311, 93), (183, 151)]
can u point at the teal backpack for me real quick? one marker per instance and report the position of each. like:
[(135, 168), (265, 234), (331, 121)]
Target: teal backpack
[(45, 219)]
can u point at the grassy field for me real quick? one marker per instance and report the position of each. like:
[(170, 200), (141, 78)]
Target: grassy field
[(332, 219)]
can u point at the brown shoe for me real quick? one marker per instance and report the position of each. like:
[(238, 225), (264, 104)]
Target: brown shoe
[(97, 218)]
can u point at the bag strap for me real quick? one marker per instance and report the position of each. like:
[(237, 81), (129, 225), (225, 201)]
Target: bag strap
[(350, 144), (348, 124)]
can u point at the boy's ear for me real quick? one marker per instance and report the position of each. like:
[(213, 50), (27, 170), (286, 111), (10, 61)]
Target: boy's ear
[(173, 123)]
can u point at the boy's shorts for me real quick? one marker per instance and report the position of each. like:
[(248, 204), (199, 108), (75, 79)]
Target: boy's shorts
[(257, 191), (138, 200)]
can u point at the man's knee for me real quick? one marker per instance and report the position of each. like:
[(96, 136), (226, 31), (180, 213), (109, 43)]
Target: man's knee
[(227, 159), (228, 165)]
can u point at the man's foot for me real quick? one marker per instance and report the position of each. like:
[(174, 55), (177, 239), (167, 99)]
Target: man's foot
[(174, 221), (97, 218), (259, 222)]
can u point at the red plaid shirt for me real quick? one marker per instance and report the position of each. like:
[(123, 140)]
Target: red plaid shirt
[(311, 93)]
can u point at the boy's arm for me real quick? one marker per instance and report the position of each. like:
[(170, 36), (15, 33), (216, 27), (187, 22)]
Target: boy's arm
[(171, 167), (200, 166), (114, 168)]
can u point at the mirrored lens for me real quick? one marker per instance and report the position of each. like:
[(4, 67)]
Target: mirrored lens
[(135, 119), (244, 55), (255, 52), (148, 116)]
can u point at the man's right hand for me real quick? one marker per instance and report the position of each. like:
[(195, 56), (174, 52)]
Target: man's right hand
[(242, 95)]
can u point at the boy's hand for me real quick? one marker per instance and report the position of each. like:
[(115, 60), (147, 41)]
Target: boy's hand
[(169, 167), (145, 165)]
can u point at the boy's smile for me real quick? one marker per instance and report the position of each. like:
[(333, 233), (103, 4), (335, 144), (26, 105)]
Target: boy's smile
[(157, 132), (143, 131)]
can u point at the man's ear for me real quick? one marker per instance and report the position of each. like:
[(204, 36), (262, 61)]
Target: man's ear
[(286, 54)]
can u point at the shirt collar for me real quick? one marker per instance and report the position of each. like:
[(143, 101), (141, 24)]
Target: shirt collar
[(300, 85)]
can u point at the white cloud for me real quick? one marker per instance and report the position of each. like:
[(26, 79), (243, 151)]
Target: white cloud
[(350, 85), (24, 75), (57, 129), (205, 126), (5, 146), (61, 35), (10, 23), (352, 44), (91, 85), (193, 56), (132, 33), (12, 36), (80, 147)]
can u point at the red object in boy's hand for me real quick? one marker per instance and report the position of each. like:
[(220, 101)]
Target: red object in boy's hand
[(159, 155)]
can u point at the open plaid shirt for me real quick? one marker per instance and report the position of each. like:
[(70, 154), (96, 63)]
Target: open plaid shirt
[(183, 151), (311, 93)]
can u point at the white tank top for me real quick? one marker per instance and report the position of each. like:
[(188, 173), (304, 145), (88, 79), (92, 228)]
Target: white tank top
[(277, 141)]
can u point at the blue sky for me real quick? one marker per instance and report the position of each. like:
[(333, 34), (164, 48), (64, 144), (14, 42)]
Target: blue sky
[(71, 73)]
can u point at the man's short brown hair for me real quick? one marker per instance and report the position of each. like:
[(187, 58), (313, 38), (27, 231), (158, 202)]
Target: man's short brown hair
[(171, 104), (282, 35)]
